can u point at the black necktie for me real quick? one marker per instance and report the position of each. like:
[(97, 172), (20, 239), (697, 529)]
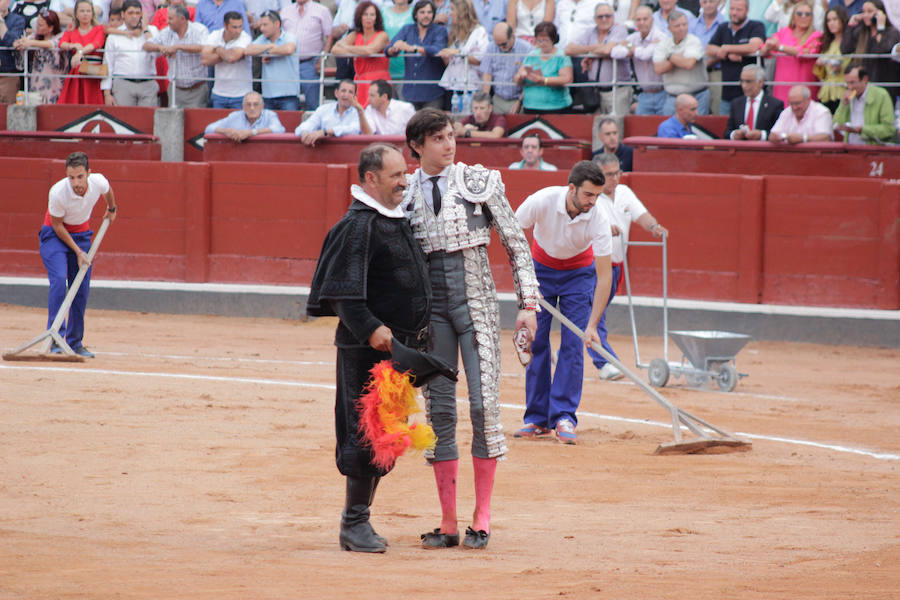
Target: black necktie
[(435, 193)]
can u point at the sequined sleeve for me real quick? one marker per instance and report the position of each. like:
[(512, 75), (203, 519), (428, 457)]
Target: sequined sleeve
[(504, 222)]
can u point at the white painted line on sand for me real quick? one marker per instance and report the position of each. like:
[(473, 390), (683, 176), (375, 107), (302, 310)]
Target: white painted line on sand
[(328, 386)]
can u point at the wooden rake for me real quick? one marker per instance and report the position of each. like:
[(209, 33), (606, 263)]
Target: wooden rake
[(709, 438), (52, 334)]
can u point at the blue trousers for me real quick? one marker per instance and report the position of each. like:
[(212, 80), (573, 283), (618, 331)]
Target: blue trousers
[(702, 103), (599, 361), (651, 103), (310, 89), (282, 103), (62, 266), (217, 101), (549, 400)]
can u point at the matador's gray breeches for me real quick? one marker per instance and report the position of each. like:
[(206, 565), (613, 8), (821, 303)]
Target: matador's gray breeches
[(465, 318)]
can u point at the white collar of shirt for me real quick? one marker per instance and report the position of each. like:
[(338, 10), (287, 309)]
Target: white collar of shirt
[(360, 194), (425, 181), (862, 98), (561, 208)]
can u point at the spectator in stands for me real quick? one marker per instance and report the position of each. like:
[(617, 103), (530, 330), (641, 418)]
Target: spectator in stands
[(753, 114), (704, 27), (131, 70), (622, 208), (251, 121), (395, 17), (489, 12), (441, 12), (532, 155), (161, 16), (310, 23), (733, 46), (779, 12), (792, 44), (211, 14), (46, 66), (680, 61), (421, 41), (254, 10), (599, 67), (854, 7), (871, 33), (466, 44), (12, 27), (608, 132), (639, 46), (333, 119), (369, 38), (280, 68), (85, 39), (866, 113), (224, 49), (831, 65), (483, 122), (680, 124), (662, 17), (572, 18), (523, 15), (385, 115), (545, 74), (805, 120), (182, 41), (498, 68)]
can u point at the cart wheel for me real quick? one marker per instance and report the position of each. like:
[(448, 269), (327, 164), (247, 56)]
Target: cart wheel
[(727, 378), (658, 374)]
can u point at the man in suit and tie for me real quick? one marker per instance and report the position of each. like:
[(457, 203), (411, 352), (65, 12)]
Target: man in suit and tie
[(754, 113)]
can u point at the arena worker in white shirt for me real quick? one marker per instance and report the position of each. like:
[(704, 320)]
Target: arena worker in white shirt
[(571, 253), (65, 240), (622, 208)]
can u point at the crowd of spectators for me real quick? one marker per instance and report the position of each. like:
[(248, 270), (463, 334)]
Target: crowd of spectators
[(535, 56)]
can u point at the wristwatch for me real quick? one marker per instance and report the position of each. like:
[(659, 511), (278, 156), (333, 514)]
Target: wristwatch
[(112, 210), (253, 132)]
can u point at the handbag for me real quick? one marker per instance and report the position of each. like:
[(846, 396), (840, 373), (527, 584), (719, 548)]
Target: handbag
[(97, 69)]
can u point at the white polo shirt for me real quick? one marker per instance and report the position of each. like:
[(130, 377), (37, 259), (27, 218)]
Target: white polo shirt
[(560, 235), (232, 80), (75, 210), (621, 212)]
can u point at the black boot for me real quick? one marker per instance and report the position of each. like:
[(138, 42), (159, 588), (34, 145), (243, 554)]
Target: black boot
[(375, 481), (356, 532)]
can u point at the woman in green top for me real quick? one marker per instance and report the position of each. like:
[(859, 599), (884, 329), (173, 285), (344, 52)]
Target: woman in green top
[(830, 66), (545, 73), (395, 18)]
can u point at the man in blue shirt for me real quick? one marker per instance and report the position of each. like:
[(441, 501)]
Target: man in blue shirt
[(490, 12), (499, 65), (280, 67), (334, 118), (679, 124), (421, 41), (250, 121)]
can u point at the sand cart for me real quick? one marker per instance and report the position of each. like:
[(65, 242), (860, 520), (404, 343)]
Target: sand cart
[(707, 355)]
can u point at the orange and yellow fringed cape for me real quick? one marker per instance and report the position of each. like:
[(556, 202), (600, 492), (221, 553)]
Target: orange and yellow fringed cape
[(384, 409)]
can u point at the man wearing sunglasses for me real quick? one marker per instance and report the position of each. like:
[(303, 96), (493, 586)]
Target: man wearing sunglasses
[(498, 68), (594, 47)]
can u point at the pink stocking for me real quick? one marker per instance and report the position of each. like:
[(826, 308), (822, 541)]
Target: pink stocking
[(484, 485), (445, 473)]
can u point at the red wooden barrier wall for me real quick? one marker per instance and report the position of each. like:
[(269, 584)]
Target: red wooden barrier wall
[(737, 238)]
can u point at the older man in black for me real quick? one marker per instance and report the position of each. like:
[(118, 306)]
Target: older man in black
[(372, 275)]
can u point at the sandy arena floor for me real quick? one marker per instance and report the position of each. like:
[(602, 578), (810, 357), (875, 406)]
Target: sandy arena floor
[(193, 458)]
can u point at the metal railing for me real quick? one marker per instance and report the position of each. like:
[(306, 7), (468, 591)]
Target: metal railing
[(469, 73)]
